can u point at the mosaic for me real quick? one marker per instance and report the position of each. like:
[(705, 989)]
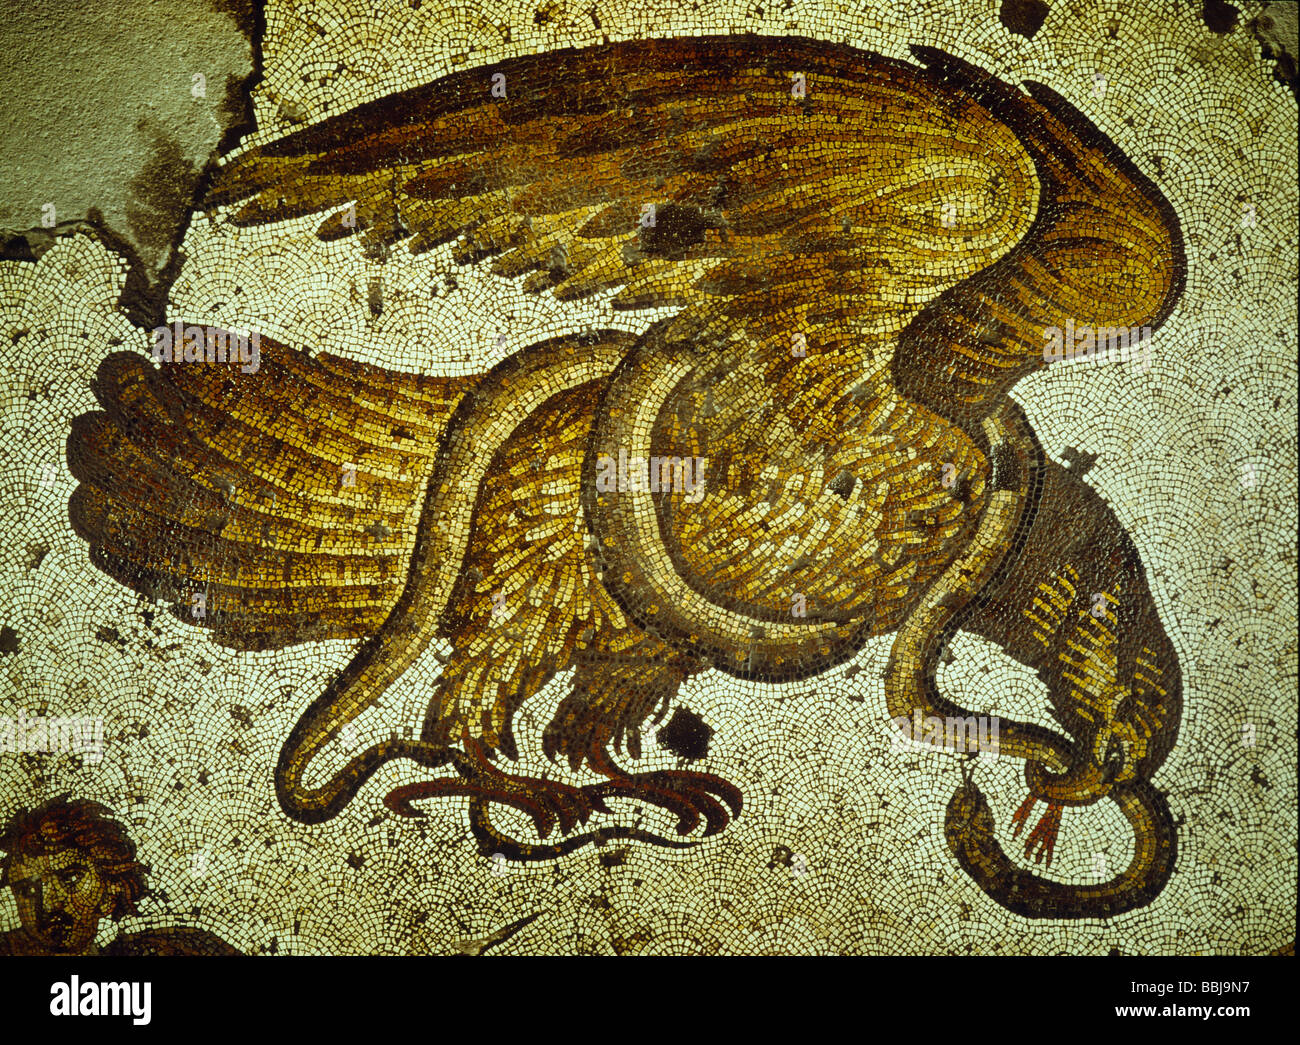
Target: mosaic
[(695, 480)]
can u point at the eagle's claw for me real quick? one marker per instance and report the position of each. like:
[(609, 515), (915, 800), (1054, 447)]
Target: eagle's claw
[(688, 794)]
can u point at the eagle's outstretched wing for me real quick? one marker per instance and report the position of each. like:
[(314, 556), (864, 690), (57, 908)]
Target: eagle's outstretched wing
[(734, 176), (745, 180), (795, 187)]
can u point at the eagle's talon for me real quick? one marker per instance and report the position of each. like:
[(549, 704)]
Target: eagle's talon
[(546, 802), (688, 794), (1042, 839), (403, 807), (1021, 815)]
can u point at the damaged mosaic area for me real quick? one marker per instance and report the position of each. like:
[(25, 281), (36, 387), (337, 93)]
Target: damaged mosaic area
[(656, 481)]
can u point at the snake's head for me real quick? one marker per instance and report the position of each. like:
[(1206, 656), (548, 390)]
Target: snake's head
[(969, 817)]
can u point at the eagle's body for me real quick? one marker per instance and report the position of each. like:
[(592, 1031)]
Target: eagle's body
[(863, 256)]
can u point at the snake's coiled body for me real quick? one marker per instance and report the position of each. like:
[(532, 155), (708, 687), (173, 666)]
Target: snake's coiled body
[(969, 830)]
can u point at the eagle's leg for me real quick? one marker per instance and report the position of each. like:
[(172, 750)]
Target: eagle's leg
[(612, 696), (503, 401), (469, 711), (470, 714)]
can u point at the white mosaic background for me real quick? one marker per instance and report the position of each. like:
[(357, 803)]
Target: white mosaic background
[(1197, 456)]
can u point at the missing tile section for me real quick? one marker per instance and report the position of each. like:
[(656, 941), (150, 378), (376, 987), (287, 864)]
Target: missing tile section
[(1218, 16), (161, 193), (686, 735), (1275, 27), (245, 15), (1023, 17), (76, 146)]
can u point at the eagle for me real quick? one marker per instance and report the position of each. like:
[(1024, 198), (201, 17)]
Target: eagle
[(854, 259)]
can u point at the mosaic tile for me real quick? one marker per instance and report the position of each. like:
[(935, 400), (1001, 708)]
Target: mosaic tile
[(656, 479)]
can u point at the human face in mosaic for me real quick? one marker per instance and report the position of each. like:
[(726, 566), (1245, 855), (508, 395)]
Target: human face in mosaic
[(61, 899)]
